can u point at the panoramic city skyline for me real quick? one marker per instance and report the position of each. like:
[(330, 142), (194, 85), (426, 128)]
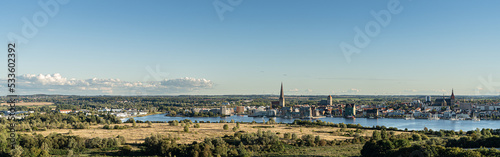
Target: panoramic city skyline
[(187, 47)]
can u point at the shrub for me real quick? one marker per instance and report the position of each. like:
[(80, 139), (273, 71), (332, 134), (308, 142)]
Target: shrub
[(294, 136), (130, 120), (286, 136), (125, 150)]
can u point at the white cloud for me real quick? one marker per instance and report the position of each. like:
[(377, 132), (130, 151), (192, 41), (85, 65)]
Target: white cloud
[(439, 91), (350, 91), (57, 84), (410, 90), (293, 90)]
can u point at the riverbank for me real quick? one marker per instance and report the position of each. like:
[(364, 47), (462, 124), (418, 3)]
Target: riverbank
[(123, 119), (416, 124)]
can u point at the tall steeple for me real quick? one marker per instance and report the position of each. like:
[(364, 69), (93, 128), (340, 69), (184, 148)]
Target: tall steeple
[(452, 98), (282, 96), (452, 94)]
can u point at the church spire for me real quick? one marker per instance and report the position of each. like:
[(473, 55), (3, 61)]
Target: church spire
[(452, 94), (282, 96), (281, 92)]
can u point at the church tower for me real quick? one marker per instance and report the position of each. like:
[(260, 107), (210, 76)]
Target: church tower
[(282, 96), (452, 98), (329, 100)]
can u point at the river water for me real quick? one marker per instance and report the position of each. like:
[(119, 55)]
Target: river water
[(417, 124)]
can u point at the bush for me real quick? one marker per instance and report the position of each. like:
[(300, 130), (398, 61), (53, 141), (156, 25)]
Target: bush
[(416, 137), (173, 123), (130, 120), (287, 136), (121, 139), (149, 124), (226, 127), (125, 150), (322, 143)]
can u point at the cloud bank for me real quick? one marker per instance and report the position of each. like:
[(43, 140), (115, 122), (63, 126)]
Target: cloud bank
[(57, 84)]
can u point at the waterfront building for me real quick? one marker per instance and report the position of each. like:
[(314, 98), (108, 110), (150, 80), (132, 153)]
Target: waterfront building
[(336, 111), (305, 112), (271, 113), (350, 110), (257, 112), (488, 107), (121, 114), (240, 109), (215, 110), (224, 111), (286, 112), (370, 112), (462, 116)]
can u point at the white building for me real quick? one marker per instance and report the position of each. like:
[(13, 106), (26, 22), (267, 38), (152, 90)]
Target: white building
[(489, 107), (224, 111), (462, 115), (122, 114), (65, 111)]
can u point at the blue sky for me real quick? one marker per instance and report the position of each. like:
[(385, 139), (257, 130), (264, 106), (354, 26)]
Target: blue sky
[(429, 47)]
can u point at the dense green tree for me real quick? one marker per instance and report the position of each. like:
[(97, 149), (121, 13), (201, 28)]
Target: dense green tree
[(376, 135)]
